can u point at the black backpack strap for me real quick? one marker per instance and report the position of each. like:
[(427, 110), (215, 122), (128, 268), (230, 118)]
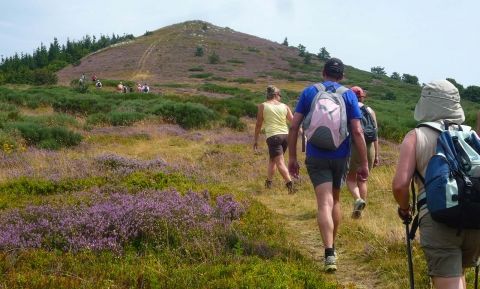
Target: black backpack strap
[(416, 208)]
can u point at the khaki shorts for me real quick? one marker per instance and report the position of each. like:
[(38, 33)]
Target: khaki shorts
[(354, 163), (277, 145), (326, 170), (446, 253)]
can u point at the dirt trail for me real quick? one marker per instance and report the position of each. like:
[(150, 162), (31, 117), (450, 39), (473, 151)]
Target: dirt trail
[(140, 67), (298, 215)]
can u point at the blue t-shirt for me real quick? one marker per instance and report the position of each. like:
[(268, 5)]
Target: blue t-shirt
[(353, 112)]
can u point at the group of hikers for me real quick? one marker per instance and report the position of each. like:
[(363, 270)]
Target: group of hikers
[(95, 80), (342, 146), (123, 88)]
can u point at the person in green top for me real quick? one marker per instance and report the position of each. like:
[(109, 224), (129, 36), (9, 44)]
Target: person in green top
[(272, 116)]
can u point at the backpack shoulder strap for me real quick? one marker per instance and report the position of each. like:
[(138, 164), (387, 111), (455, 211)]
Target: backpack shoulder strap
[(341, 90), (319, 86), (432, 125)]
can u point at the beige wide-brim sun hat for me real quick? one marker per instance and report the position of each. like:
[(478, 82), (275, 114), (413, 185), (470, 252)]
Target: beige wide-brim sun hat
[(439, 100)]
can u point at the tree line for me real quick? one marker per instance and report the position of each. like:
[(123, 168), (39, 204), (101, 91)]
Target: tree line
[(39, 67), (471, 92)]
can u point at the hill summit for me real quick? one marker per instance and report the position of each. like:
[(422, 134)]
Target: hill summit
[(175, 52)]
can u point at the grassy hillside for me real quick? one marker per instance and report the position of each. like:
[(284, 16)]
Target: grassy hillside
[(100, 189), (133, 149)]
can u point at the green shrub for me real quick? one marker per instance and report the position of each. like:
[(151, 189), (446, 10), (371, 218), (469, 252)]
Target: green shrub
[(218, 78), (97, 119), (199, 51), (11, 141), (59, 119), (82, 105), (43, 76), (77, 86), (8, 112), (234, 123), (244, 80), (214, 58), (188, 115), (45, 137), (389, 95), (201, 75), (34, 186), (196, 68), (117, 118)]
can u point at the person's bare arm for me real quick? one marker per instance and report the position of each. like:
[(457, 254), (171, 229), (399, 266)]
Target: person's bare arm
[(359, 140), (478, 123), (293, 166), (405, 169), (289, 114), (258, 126)]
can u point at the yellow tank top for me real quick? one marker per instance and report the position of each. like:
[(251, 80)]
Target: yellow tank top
[(275, 119)]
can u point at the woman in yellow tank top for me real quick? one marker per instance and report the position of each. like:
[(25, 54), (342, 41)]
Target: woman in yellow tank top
[(272, 116)]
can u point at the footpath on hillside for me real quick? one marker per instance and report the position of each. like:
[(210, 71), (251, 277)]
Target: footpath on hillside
[(299, 219)]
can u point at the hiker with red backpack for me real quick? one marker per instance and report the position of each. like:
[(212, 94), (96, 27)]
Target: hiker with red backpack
[(441, 156), (327, 110), (273, 115), (357, 188)]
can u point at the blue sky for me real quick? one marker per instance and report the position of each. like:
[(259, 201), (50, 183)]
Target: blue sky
[(432, 39)]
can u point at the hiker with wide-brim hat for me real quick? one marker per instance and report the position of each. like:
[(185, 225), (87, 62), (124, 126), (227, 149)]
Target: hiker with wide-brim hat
[(447, 250), (272, 116)]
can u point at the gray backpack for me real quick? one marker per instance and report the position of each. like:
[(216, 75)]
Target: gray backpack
[(325, 125)]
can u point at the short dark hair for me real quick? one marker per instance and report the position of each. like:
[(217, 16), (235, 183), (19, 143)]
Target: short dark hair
[(334, 68)]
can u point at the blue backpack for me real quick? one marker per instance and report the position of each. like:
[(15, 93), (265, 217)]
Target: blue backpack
[(452, 179)]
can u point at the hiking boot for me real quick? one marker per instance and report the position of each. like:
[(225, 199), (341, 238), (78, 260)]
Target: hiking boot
[(358, 207), (330, 264), (290, 188), (268, 184)]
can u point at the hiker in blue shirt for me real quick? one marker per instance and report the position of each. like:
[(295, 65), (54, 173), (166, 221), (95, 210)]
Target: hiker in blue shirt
[(327, 168)]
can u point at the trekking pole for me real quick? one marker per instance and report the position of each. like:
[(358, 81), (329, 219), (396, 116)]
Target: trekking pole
[(303, 141), (409, 252), (476, 275)]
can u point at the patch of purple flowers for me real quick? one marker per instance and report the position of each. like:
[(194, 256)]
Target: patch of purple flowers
[(124, 166), (110, 222)]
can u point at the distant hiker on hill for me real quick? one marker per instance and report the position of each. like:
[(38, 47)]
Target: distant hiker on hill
[(358, 189), (139, 87), (98, 84), (125, 88), (145, 88), (94, 78), (448, 250), (272, 115), (120, 87), (82, 78), (328, 147)]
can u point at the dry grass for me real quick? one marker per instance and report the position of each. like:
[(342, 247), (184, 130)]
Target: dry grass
[(368, 248)]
